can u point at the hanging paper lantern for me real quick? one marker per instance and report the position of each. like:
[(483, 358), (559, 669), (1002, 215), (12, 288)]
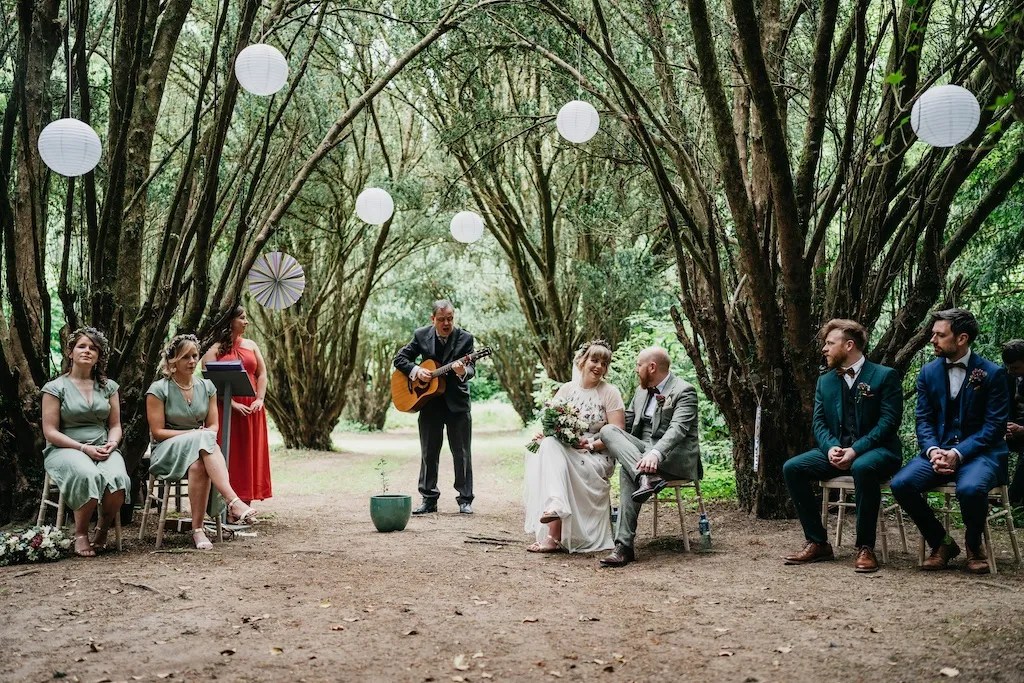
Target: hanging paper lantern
[(374, 206), (261, 69), (945, 115), (577, 121), (467, 226), (70, 147)]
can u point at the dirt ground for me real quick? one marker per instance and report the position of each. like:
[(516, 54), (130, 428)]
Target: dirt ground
[(320, 595)]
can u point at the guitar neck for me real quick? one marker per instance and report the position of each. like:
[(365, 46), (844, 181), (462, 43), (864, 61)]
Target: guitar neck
[(443, 370)]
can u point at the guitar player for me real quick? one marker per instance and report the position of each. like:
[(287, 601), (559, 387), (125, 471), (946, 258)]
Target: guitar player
[(442, 342)]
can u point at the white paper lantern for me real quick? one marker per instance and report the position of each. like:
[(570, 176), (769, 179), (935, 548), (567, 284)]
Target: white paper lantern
[(577, 121), (945, 115), (467, 226), (261, 69), (374, 206), (70, 147)]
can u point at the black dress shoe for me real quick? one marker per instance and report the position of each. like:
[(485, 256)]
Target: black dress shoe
[(620, 557), (650, 484), (425, 508)]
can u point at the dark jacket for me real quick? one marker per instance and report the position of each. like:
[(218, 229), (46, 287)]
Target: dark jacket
[(878, 405), (422, 346)]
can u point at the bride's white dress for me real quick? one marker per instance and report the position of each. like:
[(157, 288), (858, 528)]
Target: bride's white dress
[(572, 482)]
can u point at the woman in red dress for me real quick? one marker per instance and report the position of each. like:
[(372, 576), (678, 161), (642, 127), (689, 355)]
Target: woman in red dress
[(249, 453)]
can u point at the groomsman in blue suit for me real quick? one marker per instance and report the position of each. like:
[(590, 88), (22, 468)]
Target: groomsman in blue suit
[(962, 407), (1013, 361), (858, 406)]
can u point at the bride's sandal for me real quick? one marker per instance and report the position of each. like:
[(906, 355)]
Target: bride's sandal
[(549, 516), (99, 539), (248, 516), (84, 549), (200, 539), (538, 548)]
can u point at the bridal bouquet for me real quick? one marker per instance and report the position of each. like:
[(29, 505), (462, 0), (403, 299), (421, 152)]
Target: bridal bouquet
[(562, 420), (36, 544)]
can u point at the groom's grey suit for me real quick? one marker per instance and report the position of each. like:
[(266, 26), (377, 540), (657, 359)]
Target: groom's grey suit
[(671, 431)]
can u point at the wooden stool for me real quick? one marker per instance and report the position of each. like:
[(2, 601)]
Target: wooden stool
[(677, 484), (845, 486), (162, 499), (999, 497), (50, 488)]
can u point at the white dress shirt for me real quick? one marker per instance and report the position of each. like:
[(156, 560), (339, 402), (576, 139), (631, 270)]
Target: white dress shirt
[(856, 372), (958, 375)]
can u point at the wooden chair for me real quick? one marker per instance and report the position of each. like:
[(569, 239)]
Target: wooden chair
[(50, 489), (162, 498), (998, 497), (845, 486), (678, 484)]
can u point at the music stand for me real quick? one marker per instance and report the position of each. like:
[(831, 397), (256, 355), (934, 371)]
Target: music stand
[(231, 380)]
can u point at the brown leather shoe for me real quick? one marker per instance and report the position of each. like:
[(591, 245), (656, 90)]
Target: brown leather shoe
[(866, 561), (940, 557), (812, 552), (620, 557), (977, 563)]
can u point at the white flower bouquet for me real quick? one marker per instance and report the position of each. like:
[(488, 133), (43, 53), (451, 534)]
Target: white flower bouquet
[(35, 544), (562, 420)]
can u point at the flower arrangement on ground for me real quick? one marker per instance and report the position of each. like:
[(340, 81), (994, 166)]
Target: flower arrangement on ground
[(35, 544), (560, 419)]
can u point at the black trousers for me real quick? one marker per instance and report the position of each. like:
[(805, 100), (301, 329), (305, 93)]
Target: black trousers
[(434, 417)]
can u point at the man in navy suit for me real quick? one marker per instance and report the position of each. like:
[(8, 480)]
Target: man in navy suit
[(962, 407), (858, 406), (1013, 361), (443, 343)]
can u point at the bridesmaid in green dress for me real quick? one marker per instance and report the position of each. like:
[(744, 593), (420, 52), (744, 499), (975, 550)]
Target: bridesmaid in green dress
[(82, 427), (182, 415)]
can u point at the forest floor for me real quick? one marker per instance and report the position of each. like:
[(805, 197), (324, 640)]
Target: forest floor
[(320, 595)]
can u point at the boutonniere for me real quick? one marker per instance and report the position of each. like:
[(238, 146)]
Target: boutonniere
[(977, 377), (864, 391), (660, 398)]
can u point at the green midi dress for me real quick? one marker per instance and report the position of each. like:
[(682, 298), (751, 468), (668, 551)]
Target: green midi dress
[(79, 477), (171, 458)]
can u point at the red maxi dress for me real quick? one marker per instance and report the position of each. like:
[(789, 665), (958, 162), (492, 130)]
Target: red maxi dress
[(249, 455)]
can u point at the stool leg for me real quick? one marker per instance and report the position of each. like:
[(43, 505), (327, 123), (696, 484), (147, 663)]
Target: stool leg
[(1009, 525), (899, 524), (163, 516), (840, 516), (920, 552), (883, 530), (824, 507), (655, 497), (43, 498), (60, 512), (117, 531), (151, 482), (989, 550), (682, 521)]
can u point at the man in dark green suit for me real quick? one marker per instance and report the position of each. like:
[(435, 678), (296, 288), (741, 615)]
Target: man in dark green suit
[(858, 406)]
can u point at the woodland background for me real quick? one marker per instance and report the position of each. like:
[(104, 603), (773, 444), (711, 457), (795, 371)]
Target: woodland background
[(755, 174)]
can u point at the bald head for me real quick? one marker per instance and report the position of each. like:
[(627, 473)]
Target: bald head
[(652, 366)]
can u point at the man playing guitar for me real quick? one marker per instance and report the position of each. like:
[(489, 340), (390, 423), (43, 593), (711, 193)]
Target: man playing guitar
[(442, 342)]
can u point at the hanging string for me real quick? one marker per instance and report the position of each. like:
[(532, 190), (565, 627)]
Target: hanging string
[(67, 48), (579, 68)]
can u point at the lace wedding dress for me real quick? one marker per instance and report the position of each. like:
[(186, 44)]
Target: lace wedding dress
[(573, 483)]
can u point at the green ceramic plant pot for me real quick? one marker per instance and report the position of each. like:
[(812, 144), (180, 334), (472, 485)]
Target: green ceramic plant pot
[(390, 511)]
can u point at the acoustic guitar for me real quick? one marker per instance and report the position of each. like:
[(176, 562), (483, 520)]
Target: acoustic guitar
[(409, 396)]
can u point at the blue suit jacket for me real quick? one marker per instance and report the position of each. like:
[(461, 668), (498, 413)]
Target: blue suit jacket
[(984, 408)]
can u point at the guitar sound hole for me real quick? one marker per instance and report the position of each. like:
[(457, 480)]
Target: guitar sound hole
[(420, 389)]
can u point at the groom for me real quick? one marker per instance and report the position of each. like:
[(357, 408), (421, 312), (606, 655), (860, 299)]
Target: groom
[(659, 443)]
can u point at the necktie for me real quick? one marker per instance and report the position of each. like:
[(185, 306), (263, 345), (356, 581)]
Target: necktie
[(950, 366), (651, 393), (846, 371)]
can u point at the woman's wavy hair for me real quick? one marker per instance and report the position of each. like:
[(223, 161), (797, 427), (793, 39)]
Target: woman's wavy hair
[(175, 350), (595, 347), (99, 371), (224, 336)]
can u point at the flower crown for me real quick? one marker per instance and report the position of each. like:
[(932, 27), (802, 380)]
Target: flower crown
[(176, 343), (95, 335), (585, 346)]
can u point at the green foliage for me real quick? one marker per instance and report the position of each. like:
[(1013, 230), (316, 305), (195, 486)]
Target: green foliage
[(485, 384)]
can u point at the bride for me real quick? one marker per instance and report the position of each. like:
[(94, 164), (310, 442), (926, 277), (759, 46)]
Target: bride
[(566, 489)]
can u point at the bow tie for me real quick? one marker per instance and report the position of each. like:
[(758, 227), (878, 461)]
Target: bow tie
[(842, 372), (950, 366)]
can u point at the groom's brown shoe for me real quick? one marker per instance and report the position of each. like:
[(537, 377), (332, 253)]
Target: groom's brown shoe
[(812, 552), (977, 563), (940, 557), (620, 557), (650, 484)]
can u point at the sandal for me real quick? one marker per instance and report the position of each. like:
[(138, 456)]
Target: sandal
[(247, 517), (200, 539), (99, 539), (538, 548), (87, 551)]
